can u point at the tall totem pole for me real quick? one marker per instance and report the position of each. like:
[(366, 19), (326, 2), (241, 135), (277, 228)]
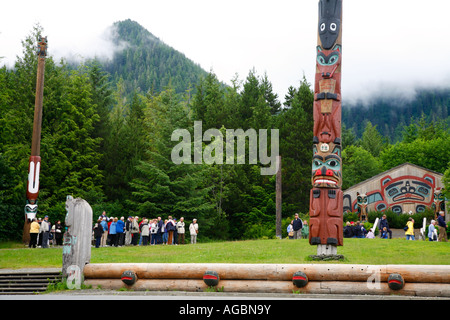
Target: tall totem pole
[(34, 165), (326, 198)]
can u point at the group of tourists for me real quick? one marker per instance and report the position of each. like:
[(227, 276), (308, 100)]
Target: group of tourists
[(43, 233), (112, 231), (298, 229), (357, 230), (442, 226)]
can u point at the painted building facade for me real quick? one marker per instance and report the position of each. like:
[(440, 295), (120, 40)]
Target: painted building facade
[(404, 189)]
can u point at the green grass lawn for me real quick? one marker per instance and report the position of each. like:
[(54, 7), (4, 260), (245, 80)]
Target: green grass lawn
[(355, 251)]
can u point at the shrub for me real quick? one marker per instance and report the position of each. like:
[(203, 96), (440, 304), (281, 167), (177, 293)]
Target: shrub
[(398, 221)]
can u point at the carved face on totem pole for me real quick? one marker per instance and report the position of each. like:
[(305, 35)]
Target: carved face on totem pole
[(330, 16), (42, 47), (34, 166), (326, 166)]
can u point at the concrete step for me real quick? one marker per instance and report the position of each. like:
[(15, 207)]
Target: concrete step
[(27, 282)]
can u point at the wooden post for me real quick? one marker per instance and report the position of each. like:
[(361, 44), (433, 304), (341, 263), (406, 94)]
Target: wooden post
[(278, 199), (77, 239), (34, 165)]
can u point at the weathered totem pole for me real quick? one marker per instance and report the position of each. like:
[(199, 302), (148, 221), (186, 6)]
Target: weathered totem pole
[(326, 198), (77, 238), (34, 165)]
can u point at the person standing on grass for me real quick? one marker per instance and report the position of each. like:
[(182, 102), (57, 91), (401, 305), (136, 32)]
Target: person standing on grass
[(134, 231), (385, 224), (45, 230), (128, 231), (113, 232), (442, 227), (431, 230), (193, 230), (297, 226), (175, 232), (153, 232), (59, 233), (159, 233), (98, 232), (104, 225), (410, 231), (290, 230), (145, 231), (164, 232), (120, 231), (305, 230), (170, 228), (140, 237), (34, 231), (181, 230), (108, 239)]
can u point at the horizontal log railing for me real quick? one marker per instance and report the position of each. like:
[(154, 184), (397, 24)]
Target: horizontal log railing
[(419, 280)]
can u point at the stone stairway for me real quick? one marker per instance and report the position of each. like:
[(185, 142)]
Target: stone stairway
[(27, 281)]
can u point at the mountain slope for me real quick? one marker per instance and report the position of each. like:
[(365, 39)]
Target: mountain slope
[(145, 63), (391, 115)]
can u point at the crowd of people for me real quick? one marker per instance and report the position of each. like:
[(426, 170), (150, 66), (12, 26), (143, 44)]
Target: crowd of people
[(112, 231), (357, 230), (298, 229), (43, 233)]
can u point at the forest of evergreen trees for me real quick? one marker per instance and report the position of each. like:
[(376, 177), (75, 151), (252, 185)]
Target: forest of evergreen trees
[(107, 141)]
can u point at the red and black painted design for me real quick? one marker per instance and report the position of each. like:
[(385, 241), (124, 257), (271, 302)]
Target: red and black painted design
[(211, 278), (395, 281), (326, 199), (300, 279), (395, 194), (129, 277)]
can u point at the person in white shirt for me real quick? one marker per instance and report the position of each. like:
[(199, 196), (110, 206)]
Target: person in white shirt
[(193, 230), (180, 230), (44, 230), (153, 231), (431, 231)]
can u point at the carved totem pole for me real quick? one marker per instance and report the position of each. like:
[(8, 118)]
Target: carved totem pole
[(326, 198), (77, 238), (361, 203), (438, 202), (34, 165)]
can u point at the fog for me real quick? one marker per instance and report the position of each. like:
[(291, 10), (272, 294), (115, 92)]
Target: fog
[(389, 47)]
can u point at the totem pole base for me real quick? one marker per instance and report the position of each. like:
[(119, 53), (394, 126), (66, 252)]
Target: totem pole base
[(326, 253)]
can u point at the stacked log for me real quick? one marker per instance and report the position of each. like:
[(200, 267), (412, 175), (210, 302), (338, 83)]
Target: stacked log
[(418, 280)]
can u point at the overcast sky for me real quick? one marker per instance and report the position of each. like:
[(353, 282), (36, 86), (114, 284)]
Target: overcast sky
[(388, 45)]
